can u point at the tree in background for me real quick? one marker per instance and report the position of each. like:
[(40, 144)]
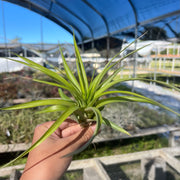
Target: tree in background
[(154, 33), (15, 40)]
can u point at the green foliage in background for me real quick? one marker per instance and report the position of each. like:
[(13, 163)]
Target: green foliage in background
[(18, 126)]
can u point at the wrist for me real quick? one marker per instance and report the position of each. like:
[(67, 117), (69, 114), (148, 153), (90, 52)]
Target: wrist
[(51, 168)]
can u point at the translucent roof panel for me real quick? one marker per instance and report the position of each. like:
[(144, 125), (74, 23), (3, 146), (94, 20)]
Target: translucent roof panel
[(147, 10), (117, 14), (92, 19), (90, 23)]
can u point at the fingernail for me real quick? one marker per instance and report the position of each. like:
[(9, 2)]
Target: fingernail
[(93, 127)]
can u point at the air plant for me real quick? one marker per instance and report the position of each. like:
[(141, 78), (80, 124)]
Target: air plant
[(88, 98)]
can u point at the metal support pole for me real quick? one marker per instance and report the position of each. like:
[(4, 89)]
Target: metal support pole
[(9, 52), (160, 63), (4, 31), (43, 53), (92, 44), (155, 65), (25, 52), (41, 24), (82, 47), (135, 43), (164, 63), (135, 54), (173, 64), (108, 47)]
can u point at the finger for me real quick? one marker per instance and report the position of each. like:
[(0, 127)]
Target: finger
[(71, 130), (80, 138), (66, 128), (42, 128), (67, 123)]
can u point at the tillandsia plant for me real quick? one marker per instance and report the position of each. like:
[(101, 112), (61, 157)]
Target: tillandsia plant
[(88, 98)]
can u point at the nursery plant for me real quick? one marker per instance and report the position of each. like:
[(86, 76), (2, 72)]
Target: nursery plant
[(87, 98)]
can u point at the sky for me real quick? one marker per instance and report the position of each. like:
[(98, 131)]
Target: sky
[(25, 24)]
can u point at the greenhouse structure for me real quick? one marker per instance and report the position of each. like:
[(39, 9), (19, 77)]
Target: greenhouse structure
[(102, 28)]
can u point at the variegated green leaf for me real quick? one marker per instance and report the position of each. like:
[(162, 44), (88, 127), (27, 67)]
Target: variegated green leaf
[(110, 100), (114, 126), (80, 68), (62, 95), (69, 73), (46, 71), (56, 124), (51, 83), (37, 103), (53, 108), (95, 85)]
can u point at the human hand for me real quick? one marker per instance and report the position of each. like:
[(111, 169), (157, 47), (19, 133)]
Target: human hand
[(46, 162)]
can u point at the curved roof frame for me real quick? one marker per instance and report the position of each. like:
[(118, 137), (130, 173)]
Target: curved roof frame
[(149, 21), (104, 20), (135, 15), (72, 13), (40, 7), (95, 10), (136, 32), (170, 28)]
